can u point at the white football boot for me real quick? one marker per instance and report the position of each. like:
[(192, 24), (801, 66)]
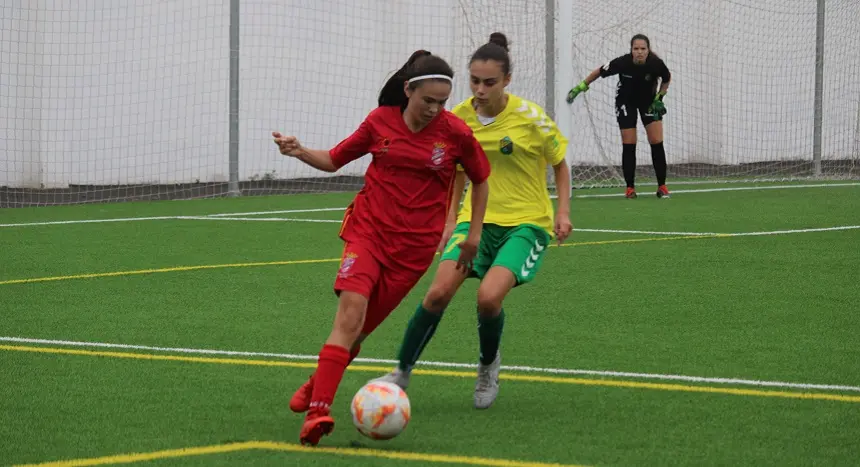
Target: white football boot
[(397, 376), (487, 385)]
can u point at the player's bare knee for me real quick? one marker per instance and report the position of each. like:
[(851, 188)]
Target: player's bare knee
[(350, 314), (489, 302), (628, 136), (437, 299), (349, 322)]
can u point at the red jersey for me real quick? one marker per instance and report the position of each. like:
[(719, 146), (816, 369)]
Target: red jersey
[(403, 205)]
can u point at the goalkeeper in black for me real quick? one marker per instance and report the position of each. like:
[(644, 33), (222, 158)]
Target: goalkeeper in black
[(637, 92)]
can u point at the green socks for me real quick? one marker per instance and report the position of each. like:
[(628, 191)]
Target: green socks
[(490, 334), (421, 327)]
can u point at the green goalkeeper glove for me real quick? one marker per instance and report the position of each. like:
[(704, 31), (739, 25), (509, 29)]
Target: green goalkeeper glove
[(657, 108), (581, 87)]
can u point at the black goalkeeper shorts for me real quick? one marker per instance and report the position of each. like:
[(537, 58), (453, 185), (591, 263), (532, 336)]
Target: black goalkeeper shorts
[(626, 112)]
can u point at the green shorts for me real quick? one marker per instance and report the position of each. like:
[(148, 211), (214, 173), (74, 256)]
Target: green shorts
[(519, 249)]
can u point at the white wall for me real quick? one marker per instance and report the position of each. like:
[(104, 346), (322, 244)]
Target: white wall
[(136, 91), (126, 92), (316, 74)]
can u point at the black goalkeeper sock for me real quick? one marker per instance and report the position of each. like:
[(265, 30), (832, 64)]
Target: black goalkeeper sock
[(420, 330), (490, 334), (628, 163), (658, 158)]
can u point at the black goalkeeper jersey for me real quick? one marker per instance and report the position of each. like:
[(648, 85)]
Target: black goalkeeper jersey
[(637, 84)]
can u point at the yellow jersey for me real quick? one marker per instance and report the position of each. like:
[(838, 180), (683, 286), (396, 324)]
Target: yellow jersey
[(520, 142)]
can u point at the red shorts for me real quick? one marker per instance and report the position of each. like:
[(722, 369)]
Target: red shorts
[(362, 272)]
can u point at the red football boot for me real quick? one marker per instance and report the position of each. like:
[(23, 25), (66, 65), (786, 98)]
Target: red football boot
[(316, 426), (301, 400), (630, 193)]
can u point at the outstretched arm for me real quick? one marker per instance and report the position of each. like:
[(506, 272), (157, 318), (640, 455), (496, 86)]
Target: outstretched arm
[(317, 158), (592, 77), (611, 68), (583, 85)]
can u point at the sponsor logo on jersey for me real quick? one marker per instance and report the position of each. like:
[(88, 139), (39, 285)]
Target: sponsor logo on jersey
[(506, 146)]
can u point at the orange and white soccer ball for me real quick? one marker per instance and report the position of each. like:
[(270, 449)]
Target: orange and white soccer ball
[(380, 410)]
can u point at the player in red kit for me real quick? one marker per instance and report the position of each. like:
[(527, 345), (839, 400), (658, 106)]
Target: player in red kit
[(394, 226)]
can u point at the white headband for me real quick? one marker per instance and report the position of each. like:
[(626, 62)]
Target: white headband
[(419, 78)]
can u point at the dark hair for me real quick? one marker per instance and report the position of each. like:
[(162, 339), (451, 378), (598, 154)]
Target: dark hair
[(647, 42), (496, 49), (420, 63)]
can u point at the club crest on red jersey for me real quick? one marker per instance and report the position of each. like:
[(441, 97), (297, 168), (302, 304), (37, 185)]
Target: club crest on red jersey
[(437, 156), (384, 143), (346, 264)]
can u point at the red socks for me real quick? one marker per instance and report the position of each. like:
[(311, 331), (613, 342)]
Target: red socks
[(332, 363), (352, 356)]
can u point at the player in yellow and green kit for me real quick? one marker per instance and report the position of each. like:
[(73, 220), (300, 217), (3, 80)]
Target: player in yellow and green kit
[(520, 141)]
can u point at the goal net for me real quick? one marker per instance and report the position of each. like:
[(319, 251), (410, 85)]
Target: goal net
[(110, 100), (120, 100), (116, 100), (741, 103)]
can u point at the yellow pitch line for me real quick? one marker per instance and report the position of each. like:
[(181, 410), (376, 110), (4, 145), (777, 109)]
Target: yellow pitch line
[(174, 358), (148, 456), (170, 269), (638, 240), (407, 456), (453, 373), (276, 446), (289, 262)]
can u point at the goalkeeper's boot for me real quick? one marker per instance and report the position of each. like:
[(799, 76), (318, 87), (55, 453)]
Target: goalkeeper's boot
[(301, 400), (317, 424), (662, 192), (487, 385), (630, 193), (397, 376)]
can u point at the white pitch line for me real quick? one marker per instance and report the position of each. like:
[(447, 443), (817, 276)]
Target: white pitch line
[(260, 219), (737, 188), (92, 221), (288, 211), (527, 369), (648, 232), (782, 232), (728, 234)]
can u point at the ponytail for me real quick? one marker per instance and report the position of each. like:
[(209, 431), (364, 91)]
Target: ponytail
[(421, 63)]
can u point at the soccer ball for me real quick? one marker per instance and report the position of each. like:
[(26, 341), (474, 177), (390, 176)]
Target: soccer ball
[(380, 410)]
